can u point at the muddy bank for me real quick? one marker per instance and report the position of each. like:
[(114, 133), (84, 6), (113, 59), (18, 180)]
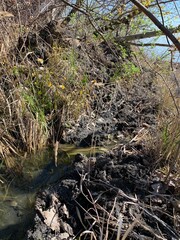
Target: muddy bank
[(108, 194), (104, 196), (117, 114), (118, 193)]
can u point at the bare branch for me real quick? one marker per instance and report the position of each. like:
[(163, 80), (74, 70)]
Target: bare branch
[(150, 44), (148, 34)]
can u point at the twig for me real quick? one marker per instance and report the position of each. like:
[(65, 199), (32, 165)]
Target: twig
[(56, 147), (149, 229), (120, 222), (149, 44), (160, 221), (110, 214), (117, 190), (130, 228)]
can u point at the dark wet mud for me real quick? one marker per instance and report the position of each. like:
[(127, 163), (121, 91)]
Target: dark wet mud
[(108, 194), (117, 193)]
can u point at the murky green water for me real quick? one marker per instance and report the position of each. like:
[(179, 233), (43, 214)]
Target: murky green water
[(17, 194)]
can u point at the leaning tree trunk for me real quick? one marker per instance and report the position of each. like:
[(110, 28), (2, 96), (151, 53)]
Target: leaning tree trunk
[(157, 23)]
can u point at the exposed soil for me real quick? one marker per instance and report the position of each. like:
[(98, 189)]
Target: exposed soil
[(118, 192), (117, 115)]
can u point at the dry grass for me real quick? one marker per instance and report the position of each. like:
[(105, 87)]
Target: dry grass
[(169, 123), (99, 223), (21, 130), (35, 99), (165, 142)]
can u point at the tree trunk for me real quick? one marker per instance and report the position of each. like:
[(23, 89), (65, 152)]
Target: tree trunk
[(157, 23)]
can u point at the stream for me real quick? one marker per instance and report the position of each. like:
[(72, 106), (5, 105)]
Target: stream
[(17, 195)]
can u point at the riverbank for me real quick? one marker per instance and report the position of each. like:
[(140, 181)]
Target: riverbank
[(121, 192), (61, 86)]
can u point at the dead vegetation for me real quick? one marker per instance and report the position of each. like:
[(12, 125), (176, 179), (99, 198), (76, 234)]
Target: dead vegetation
[(47, 75), (118, 197), (50, 73)]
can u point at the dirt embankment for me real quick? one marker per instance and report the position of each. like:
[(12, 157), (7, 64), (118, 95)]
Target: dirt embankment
[(117, 193)]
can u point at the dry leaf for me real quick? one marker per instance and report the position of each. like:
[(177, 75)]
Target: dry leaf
[(51, 219), (4, 14), (65, 210)]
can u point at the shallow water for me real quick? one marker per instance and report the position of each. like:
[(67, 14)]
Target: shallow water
[(17, 196)]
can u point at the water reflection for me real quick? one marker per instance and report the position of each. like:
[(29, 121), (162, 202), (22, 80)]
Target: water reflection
[(17, 196)]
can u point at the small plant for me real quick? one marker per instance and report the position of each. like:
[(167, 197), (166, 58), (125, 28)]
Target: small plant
[(129, 70)]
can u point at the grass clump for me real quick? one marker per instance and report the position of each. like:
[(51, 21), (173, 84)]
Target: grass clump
[(168, 134), (169, 148), (35, 100)]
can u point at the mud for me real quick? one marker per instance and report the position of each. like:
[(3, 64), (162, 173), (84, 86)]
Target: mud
[(118, 193), (103, 193), (117, 114)]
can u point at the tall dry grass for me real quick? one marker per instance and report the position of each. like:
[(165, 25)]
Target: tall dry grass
[(35, 98), (165, 141)]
